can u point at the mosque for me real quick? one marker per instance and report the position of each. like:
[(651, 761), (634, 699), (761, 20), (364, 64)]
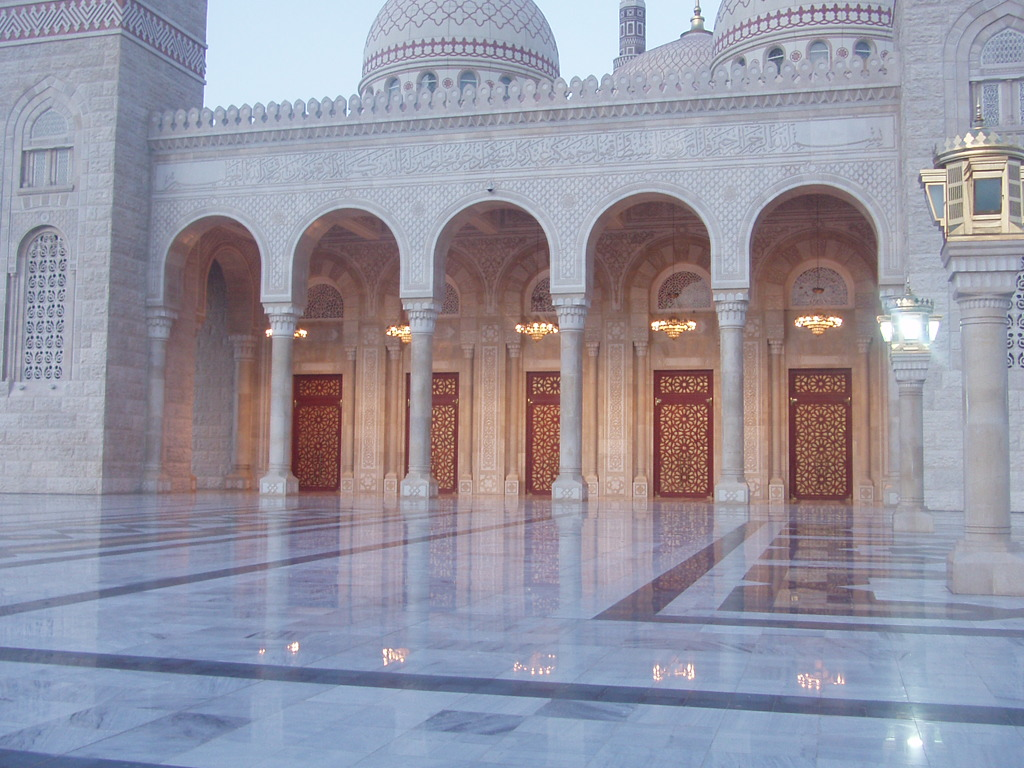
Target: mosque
[(477, 277)]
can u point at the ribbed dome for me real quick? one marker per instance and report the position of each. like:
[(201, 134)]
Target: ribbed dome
[(691, 51), (742, 25), (489, 35)]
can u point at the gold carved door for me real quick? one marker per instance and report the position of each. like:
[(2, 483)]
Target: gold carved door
[(543, 431), (683, 434), (820, 434), (316, 432)]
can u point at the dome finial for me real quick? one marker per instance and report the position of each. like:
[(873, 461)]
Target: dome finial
[(697, 22)]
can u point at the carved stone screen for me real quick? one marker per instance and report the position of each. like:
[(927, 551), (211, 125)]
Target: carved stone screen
[(543, 430), (683, 445), (820, 434), (316, 433)]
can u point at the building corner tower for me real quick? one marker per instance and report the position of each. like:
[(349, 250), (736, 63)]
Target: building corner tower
[(632, 30)]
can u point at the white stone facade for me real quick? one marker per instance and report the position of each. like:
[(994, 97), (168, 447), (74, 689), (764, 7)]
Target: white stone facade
[(759, 183)]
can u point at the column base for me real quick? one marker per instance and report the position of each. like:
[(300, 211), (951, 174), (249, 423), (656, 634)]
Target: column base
[(279, 484), (419, 487), (391, 484), (912, 521), (157, 483), (593, 487), (640, 487), (776, 493), (732, 492), (240, 481), (512, 485), (866, 494), (348, 483), (466, 486), (980, 569), (569, 488)]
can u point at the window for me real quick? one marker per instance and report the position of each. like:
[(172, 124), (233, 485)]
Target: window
[(818, 52), (863, 49), (428, 80), (740, 62), (393, 87), (324, 302), (540, 299), (451, 305), (467, 80), (775, 58), (46, 158), (46, 296), (997, 86)]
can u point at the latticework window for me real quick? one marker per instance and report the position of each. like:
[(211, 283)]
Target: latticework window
[(819, 287), (540, 299), (1015, 325), (1006, 47), (997, 86), (46, 277), (324, 302), (451, 304), (684, 290)]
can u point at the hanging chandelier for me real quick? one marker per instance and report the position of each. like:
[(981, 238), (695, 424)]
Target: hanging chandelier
[(536, 330), (300, 333), (401, 332), (818, 324), (674, 327)]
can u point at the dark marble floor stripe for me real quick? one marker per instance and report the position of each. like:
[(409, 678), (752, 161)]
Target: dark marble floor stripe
[(751, 702), (60, 601), (646, 602), (14, 758)]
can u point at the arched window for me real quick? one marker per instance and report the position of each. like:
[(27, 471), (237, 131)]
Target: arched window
[(45, 303), (818, 52), (819, 287), (46, 156), (324, 302), (467, 80), (427, 80), (684, 290), (997, 85), (862, 48), (540, 299), (393, 87), (775, 58), (451, 305)]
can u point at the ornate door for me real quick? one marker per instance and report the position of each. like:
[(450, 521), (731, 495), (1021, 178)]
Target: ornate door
[(683, 444), (316, 433), (820, 434), (444, 431), (543, 428)]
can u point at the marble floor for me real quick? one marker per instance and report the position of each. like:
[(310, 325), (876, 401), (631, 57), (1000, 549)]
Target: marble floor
[(213, 630)]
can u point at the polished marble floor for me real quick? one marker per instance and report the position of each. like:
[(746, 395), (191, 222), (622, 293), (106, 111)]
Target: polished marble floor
[(211, 630)]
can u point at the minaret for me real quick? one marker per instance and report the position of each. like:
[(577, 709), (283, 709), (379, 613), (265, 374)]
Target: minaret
[(632, 30)]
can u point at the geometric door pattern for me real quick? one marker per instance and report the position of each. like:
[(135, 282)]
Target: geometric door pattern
[(683, 447), (316, 433), (444, 430), (543, 430), (820, 434)]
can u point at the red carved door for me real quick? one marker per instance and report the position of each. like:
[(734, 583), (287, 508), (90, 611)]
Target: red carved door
[(683, 445), (316, 433), (820, 434), (444, 431), (543, 429)]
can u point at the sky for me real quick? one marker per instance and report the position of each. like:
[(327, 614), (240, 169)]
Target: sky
[(266, 50)]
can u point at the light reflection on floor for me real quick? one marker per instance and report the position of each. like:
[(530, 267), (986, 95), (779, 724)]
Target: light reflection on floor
[(219, 630)]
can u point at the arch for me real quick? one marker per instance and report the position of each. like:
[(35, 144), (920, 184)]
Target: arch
[(859, 198), (966, 37), (169, 256), (44, 302), (306, 235), (595, 222)]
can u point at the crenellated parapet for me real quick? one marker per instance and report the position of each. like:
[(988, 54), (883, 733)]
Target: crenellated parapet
[(689, 91)]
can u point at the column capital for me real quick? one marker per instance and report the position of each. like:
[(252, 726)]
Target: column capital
[(864, 343), (244, 345), (515, 349), (468, 350), (572, 311), (350, 353), (776, 346), (593, 348), (910, 367), (283, 317), (159, 321), (731, 307), (422, 314), (978, 306), (641, 347)]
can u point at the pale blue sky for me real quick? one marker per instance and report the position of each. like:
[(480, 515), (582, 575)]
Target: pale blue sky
[(266, 50)]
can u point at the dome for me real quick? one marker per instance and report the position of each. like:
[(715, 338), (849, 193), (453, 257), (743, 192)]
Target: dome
[(750, 27), (691, 51), (493, 39)]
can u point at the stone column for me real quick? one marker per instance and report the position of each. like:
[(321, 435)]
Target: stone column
[(591, 455), (513, 423), (419, 483), (572, 317), (641, 419), (911, 369), (731, 307), (986, 561), (242, 477), (862, 417), (279, 480), (465, 406), (159, 321), (394, 399), (348, 422), (777, 414)]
